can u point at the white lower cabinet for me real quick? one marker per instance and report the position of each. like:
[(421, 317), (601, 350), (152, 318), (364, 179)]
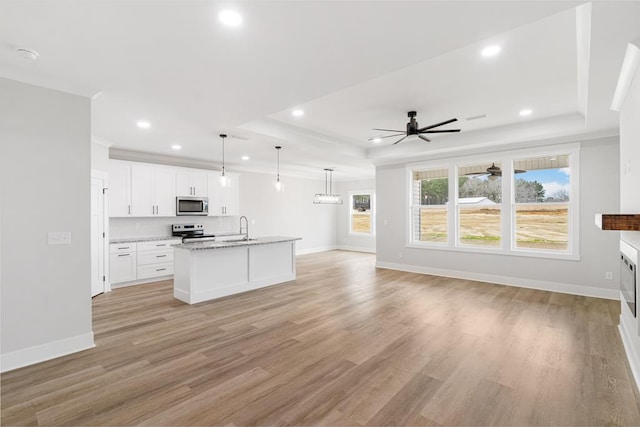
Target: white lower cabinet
[(136, 263), (122, 262)]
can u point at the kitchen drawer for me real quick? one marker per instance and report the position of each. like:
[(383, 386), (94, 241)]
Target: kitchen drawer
[(155, 270), (158, 244), (116, 248), (155, 257)]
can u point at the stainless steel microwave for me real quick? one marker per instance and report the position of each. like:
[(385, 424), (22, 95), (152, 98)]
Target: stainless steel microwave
[(192, 205)]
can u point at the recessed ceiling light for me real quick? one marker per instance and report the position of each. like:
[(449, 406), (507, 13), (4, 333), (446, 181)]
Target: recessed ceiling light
[(230, 18), (143, 124), (245, 157), (490, 51), (525, 112), (297, 113), (29, 54), (376, 140), (176, 147)]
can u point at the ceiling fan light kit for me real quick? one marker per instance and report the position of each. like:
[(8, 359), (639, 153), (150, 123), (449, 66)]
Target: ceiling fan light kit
[(413, 129), (327, 198)]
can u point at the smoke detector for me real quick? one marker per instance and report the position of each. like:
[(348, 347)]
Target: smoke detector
[(27, 54)]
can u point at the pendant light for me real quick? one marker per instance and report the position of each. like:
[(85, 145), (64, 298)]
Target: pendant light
[(224, 180), (327, 197), (278, 184)]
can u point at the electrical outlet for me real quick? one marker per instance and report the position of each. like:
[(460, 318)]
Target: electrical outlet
[(385, 222), (608, 275), (400, 254)]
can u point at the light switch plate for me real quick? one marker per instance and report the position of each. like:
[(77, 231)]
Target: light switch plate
[(59, 238)]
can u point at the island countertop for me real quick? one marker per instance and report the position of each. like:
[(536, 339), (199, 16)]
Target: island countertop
[(199, 246)]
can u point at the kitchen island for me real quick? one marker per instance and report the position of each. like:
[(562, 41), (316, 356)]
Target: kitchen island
[(209, 270)]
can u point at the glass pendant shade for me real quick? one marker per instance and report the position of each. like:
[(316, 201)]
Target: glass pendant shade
[(277, 183), (224, 180), (327, 198)]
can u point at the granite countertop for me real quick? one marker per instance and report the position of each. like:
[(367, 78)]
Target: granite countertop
[(144, 239), (198, 246)]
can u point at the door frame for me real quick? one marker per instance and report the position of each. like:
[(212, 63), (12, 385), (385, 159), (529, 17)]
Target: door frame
[(104, 176)]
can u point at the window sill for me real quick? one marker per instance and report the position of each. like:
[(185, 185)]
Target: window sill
[(496, 251)]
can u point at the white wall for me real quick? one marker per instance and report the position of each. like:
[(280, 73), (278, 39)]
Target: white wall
[(344, 239), (99, 157), (45, 177), (598, 251), (288, 213)]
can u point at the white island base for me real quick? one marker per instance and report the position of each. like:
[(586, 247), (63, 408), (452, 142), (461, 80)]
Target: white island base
[(205, 271)]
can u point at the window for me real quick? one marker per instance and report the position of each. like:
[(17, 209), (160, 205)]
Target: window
[(430, 194), (360, 212), (542, 202), (480, 204), (521, 202)]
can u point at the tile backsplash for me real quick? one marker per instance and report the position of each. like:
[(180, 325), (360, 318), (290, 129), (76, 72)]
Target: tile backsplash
[(120, 228)]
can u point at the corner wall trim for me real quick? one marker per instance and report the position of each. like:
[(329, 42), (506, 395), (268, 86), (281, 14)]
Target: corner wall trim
[(40, 353), (632, 356), (565, 288)]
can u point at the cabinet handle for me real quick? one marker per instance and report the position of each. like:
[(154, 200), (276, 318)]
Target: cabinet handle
[(162, 244), (160, 269), (124, 247), (124, 254), (129, 209), (160, 256)]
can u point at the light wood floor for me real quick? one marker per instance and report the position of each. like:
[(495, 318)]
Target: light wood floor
[(345, 344)]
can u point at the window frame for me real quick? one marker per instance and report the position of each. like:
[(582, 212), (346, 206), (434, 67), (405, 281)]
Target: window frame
[(508, 205), (372, 195)]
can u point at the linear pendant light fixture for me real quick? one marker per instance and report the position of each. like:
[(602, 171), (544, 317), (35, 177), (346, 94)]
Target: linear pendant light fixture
[(326, 197), (224, 180), (278, 183)]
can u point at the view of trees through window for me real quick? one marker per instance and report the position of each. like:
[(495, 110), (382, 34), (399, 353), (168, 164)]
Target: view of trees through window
[(479, 206), (430, 208), (540, 204), (361, 213)]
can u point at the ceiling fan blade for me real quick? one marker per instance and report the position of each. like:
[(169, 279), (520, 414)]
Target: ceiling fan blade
[(424, 138), (389, 136), (437, 124), (519, 171), (476, 174), (440, 131), (389, 130), (400, 140)]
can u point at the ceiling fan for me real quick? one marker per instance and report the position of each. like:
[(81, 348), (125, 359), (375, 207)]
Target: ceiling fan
[(492, 171), (413, 129)]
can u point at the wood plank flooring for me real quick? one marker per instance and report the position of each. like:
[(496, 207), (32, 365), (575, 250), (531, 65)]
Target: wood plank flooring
[(345, 344)]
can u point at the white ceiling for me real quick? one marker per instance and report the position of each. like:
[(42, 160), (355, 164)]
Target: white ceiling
[(351, 66)]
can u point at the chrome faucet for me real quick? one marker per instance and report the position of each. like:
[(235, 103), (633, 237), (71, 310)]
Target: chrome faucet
[(246, 227)]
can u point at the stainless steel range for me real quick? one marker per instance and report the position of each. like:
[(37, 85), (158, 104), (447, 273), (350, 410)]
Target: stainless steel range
[(191, 233)]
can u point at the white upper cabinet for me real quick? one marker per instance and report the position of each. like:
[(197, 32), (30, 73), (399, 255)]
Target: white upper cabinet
[(191, 183), (119, 190), (144, 190), (224, 201), (153, 191)]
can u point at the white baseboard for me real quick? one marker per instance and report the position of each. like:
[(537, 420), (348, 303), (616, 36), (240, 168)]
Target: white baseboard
[(314, 250), (632, 355), (565, 288), (40, 353), (140, 282), (355, 249)]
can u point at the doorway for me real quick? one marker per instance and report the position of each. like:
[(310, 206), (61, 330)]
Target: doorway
[(99, 232)]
